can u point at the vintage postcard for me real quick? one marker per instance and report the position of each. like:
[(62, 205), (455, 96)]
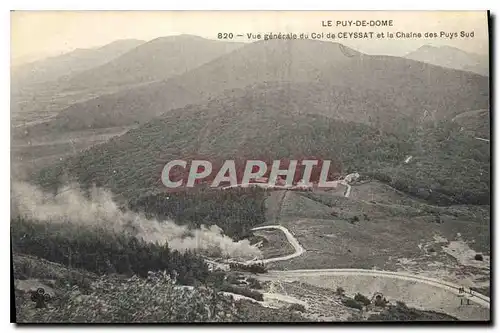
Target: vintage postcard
[(250, 166)]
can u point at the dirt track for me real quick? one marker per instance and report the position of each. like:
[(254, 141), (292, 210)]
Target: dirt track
[(418, 291), (293, 241), (448, 286), (474, 297)]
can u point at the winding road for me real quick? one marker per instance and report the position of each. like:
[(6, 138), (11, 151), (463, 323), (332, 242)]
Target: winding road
[(451, 287), (299, 250), (278, 275), (291, 239), (348, 189)]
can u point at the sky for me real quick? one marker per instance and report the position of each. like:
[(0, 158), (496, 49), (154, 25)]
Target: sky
[(38, 34)]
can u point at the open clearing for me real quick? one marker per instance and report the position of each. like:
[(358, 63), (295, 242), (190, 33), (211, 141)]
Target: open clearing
[(31, 154), (403, 241), (273, 243), (414, 293)]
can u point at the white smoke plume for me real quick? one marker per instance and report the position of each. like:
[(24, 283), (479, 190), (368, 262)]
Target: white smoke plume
[(70, 205)]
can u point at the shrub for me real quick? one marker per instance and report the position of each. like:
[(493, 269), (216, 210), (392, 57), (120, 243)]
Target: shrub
[(401, 312), (381, 302), (340, 291), (245, 291), (24, 270), (216, 279), (254, 268), (479, 257), (254, 283), (297, 307), (234, 279), (362, 299), (138, 300), (401, 305), (352, 303), (28, 267)]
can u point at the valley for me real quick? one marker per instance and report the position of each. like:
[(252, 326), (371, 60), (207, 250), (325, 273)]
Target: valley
[(403, 233)]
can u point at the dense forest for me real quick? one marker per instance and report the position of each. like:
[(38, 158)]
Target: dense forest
[(235, 211), (448, 165), (101, 251)]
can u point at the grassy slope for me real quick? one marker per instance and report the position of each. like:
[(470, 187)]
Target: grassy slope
[(476, 122), (381, 235)]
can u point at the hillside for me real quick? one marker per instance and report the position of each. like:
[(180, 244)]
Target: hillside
[(233, 128), (476, 122), (35, 94), (264, 123), (52, 68), (451, 57), (74, 79), (404, 89), (155, 60)]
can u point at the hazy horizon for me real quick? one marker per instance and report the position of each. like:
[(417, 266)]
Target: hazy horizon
[(30, 58), (40, 34)]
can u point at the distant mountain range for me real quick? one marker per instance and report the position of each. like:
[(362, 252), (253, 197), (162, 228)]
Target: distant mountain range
[(348, 85), (45, 85), (155, 60), (451, 57), (52, 68), (190, 97), (292, 120)]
